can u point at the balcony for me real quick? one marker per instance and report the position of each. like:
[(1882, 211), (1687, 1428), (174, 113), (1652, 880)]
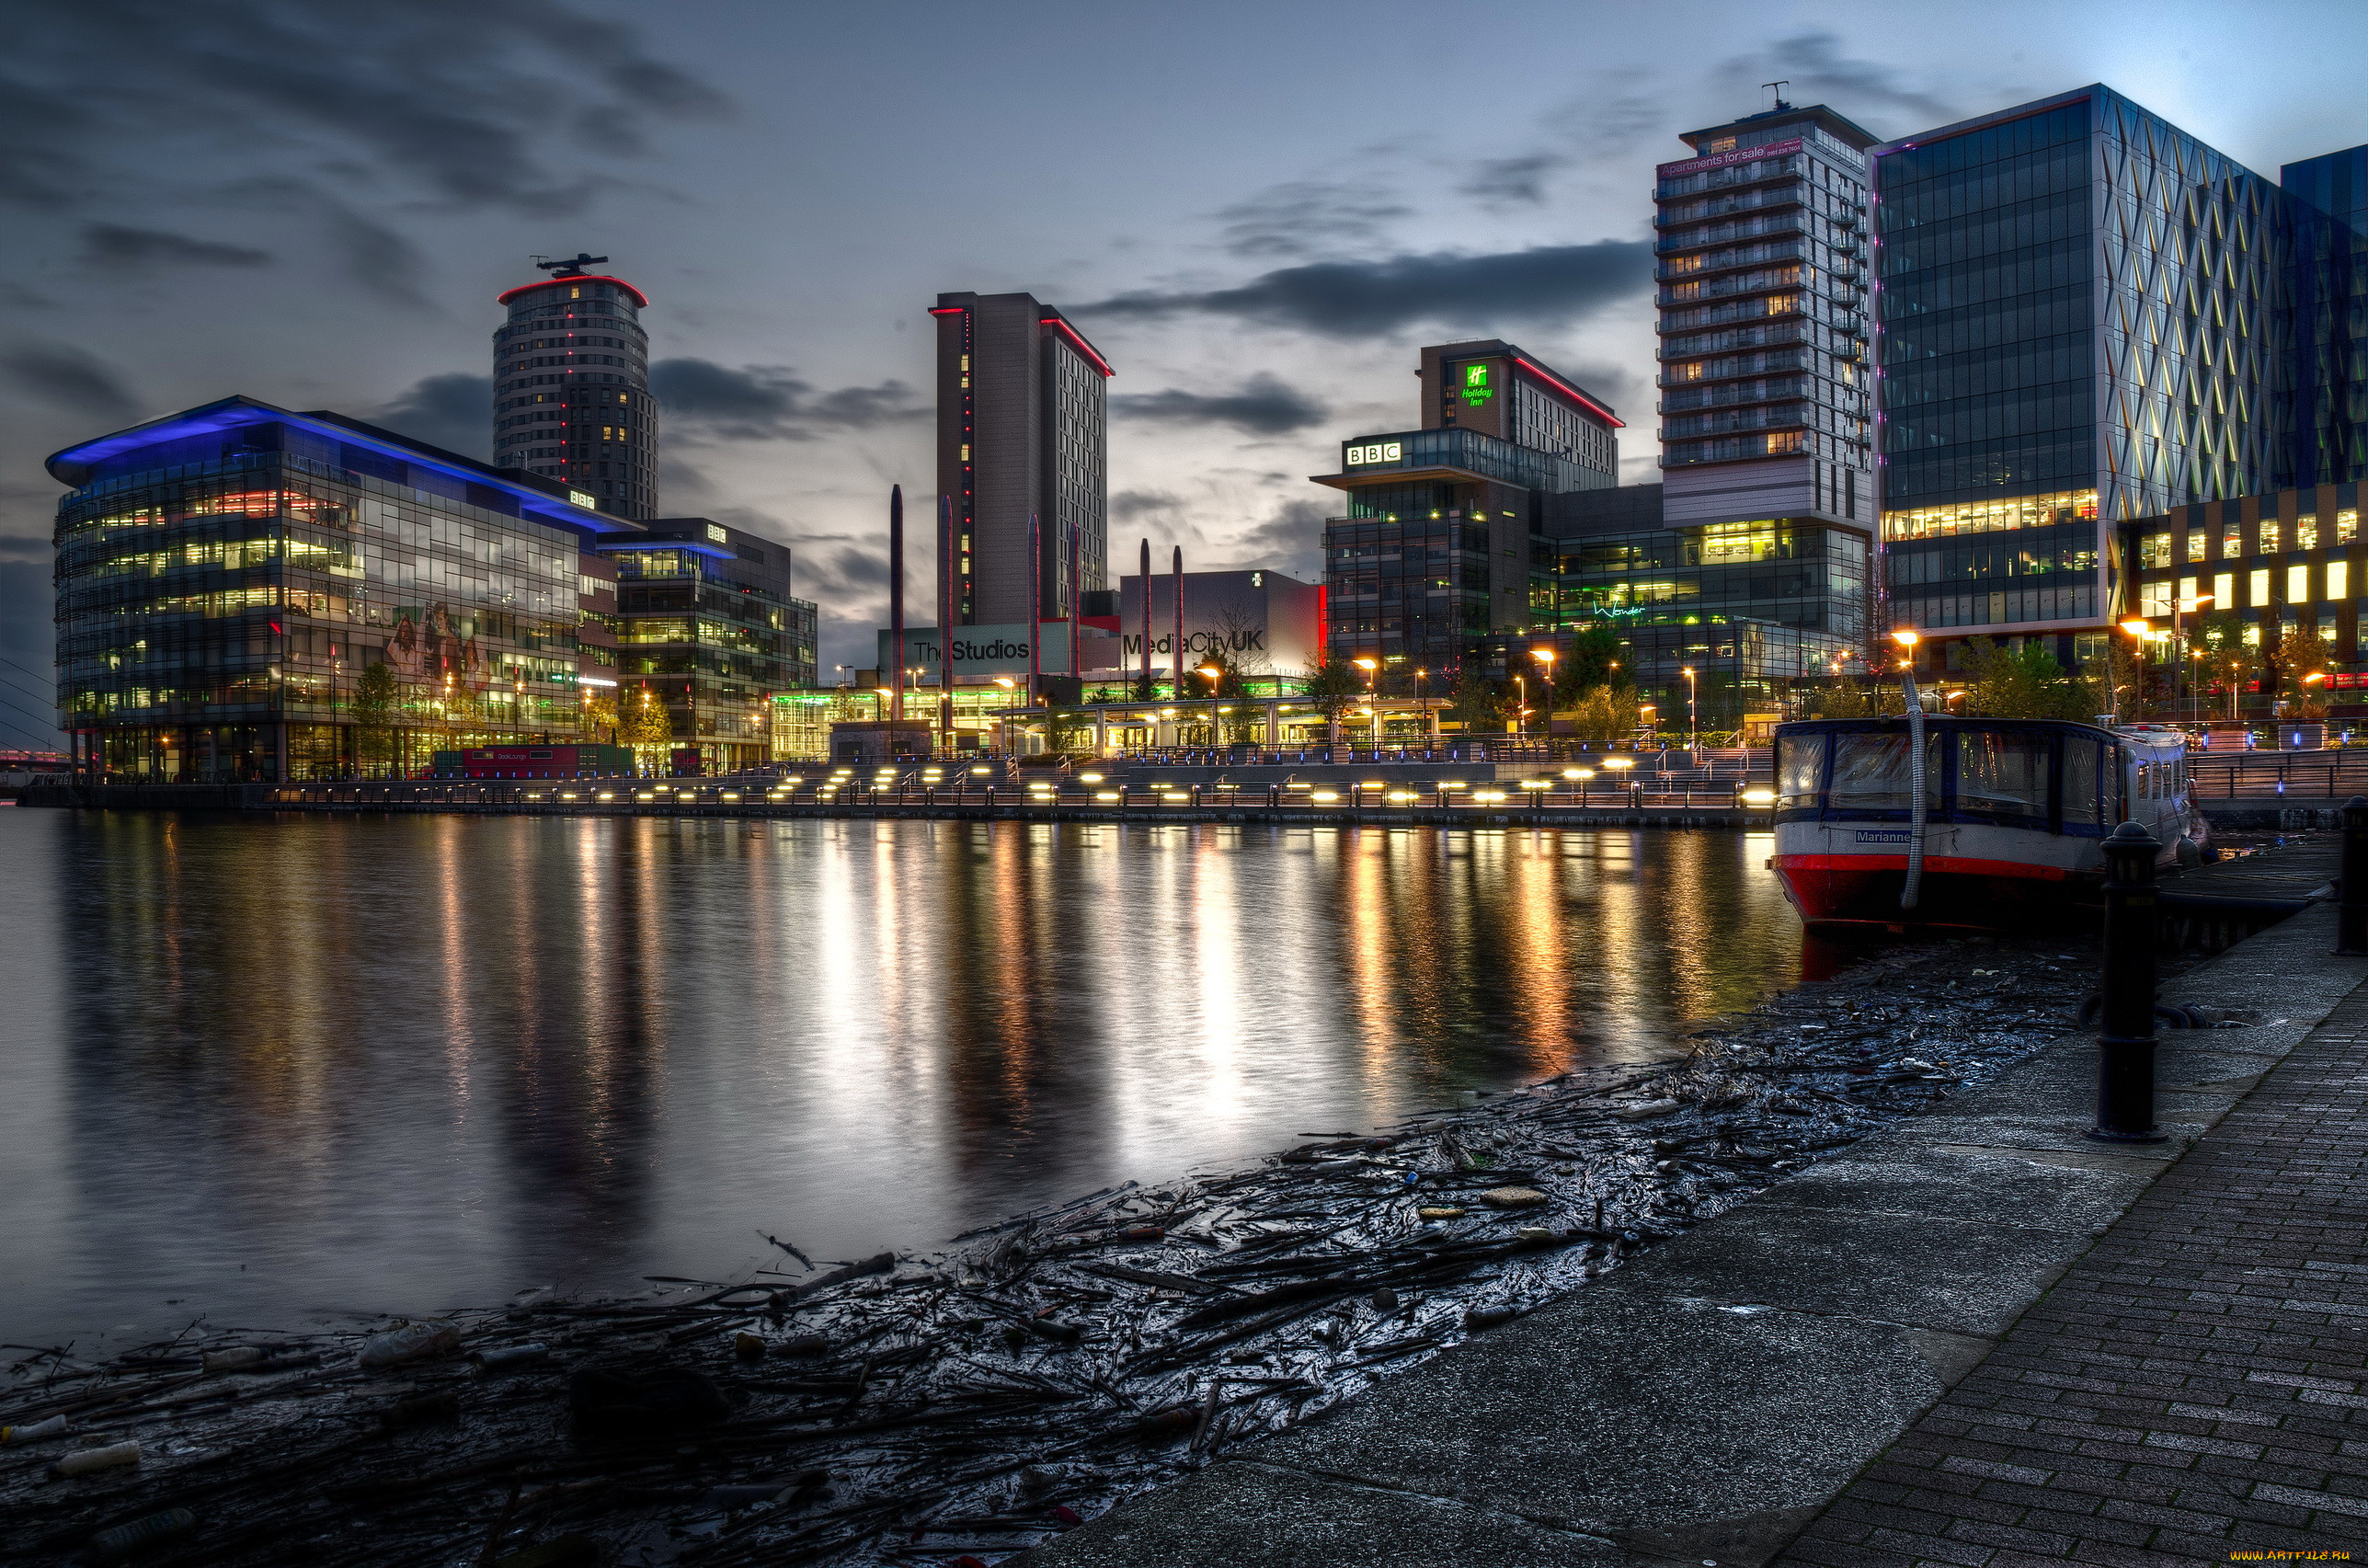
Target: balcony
[(1784, 223), (1772, 334), (1731, 394), (1737, 366), (1684, 212), (1765, 280), (1771, 417), (1762, 171), (1688, 316), (1728, 260)]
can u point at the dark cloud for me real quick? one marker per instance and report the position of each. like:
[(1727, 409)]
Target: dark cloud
[(1290, 542), (1816, 71), (772, 402), (1128, 505), (1262, 406), (112, 245), (1512, 182), (374, 254), (1306, 217), (60, 376), (470, 103), (1349, 299), (453, 411)]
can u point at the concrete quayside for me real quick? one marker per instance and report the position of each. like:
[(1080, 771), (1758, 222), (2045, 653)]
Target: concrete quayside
[(1754, 1380)]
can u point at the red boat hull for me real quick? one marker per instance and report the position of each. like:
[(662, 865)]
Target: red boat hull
[(1953, 890)]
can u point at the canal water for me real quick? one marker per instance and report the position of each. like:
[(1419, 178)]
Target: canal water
[(271, 1072)]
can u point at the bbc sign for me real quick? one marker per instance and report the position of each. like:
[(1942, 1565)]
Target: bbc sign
[(1378, 451)]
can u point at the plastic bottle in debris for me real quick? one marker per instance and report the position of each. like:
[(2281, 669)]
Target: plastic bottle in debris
[(55, 1426), (127, 1541), (412, 1342), (82, 1461)]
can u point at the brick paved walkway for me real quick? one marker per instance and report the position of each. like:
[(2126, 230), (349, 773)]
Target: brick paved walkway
[(2193, 1390)]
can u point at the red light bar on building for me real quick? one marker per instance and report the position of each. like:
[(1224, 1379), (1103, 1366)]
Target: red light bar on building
[(1567, 390), (1077, 342), (638, 297)]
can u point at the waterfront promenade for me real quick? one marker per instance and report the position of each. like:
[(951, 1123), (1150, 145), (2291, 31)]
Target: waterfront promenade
[(1977, 1339)]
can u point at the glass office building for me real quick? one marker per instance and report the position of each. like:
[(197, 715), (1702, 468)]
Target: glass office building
[(2324, 406), (2079, 325), (706, 627), (1440, 540), (249, 594), (1756, 608), (2287, 560)]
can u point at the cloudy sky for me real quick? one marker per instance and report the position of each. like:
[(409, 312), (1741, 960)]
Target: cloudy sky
[(1257, 212)]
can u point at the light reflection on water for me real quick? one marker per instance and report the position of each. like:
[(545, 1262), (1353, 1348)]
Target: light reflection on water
[(264, 1069)]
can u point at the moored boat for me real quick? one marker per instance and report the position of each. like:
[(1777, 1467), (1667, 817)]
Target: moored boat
[(2009, 819)]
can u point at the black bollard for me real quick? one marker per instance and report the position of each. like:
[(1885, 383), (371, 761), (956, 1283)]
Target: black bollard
[(2351, 890), (2125, 1038)]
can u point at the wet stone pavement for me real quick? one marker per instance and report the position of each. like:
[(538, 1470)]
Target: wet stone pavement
[(1849, 1364)]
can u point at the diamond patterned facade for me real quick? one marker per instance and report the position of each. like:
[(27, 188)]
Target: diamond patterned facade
[(2086, 317)]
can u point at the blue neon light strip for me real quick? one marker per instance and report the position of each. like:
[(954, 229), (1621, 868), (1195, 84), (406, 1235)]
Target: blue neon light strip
[(72, 467)]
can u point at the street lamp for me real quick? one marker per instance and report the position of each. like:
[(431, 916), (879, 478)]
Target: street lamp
[(1692, 690), (1545, 656), (1907, 638), (1372, 667), (2180, 610), (1620, 767), (2138, 631), (1422, 709)]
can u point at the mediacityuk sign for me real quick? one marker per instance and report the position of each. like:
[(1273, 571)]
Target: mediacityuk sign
[(1721, 160)]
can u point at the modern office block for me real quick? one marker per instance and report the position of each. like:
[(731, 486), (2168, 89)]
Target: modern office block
[(1437, 545), (707, 627), (2086, 317), (1023, 458), (249, 594)]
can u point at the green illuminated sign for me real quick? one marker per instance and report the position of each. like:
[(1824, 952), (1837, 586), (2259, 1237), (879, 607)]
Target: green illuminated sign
[(1476, 390)]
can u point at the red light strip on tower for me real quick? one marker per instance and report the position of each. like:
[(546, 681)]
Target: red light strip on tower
[(945, 310), (1080, 344), (1565, 387), (639, 298)]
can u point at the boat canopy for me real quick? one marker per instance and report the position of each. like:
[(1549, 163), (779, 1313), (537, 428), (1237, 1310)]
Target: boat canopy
[(2040, 774)]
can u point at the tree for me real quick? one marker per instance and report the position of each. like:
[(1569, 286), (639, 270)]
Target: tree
[(2228, 660), (376, 694), (2298, 654), (600, 716), (1606, 712), (1335, 686), (1476, 699), (649, 730), (2026, 683), (1231, 690), (1590, 661)]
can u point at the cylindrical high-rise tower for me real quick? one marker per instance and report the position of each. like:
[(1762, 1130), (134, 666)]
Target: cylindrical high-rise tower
[(571, 388)]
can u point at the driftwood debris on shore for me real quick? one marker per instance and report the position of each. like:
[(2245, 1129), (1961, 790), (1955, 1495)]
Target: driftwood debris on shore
[(970, 1403)]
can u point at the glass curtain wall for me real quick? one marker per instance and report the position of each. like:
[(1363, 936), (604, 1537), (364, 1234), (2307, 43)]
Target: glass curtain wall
[(2074, 304), (224, 621)]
